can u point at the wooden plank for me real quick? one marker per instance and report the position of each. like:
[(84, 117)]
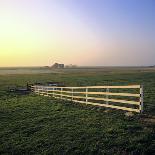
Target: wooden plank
[(49, 93), (46, 95), (101, 99), (115, 100), (106, 105), (63, 95), (82, 97), (129, 86), (109, 93), (103, 93), (63, 98), (57, 94), (38, 89), (50, 90), (110, 106), (63, 91), (105, 99)]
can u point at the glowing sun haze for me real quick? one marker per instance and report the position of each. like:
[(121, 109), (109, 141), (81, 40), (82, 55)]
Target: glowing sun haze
[(82, 32)]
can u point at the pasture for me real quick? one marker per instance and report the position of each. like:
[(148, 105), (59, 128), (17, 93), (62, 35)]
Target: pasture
[(31, 124)]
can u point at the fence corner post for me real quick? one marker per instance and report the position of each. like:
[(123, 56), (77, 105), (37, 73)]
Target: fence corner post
[(141, 99)]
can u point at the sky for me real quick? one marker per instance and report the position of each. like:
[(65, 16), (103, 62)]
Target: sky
[(80, 32)]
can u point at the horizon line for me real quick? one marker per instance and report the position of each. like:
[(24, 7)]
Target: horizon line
[(77, 66)]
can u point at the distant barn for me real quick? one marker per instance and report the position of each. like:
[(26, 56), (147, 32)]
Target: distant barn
[(58, 66)]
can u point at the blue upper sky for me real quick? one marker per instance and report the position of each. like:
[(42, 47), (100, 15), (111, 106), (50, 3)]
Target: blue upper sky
[(127, 18)]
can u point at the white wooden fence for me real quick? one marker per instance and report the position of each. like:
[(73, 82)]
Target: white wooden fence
[(128, 98)]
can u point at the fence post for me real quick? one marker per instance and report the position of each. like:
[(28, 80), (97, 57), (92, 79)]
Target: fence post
[(86, 95), (33, 89), (53, 91), (141, 99), (107, 96), (72, 94), (61, 92), (38, 90), (47, 91), (41, 92)]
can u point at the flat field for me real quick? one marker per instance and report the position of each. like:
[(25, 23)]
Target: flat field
[(31, 124)]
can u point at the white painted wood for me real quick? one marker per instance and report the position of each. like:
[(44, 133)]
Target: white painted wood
[(107, 97), (86, 95), (53, 92), (72, 93), (81, 97), (61, 92), (110, 106), (115, 100), (104, 99), (62, 95), (141, 99), (103, 93), (58, 92), (129, 86)]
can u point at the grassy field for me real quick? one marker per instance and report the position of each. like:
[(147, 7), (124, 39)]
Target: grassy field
[(31, 124)]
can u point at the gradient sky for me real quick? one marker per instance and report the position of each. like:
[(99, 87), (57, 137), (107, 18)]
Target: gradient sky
[(81, 32)]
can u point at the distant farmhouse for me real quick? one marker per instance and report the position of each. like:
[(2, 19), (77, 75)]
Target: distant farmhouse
[(58, 66)]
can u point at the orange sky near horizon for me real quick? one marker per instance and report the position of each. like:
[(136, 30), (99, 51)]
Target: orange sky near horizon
[(28, 42)]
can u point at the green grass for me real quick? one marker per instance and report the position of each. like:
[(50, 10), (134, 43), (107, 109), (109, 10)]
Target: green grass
[(34, 124)]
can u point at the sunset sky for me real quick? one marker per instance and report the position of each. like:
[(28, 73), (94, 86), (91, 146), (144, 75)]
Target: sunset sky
[(81, 32)]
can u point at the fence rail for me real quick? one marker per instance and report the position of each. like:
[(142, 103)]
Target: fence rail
[(104, 96)]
